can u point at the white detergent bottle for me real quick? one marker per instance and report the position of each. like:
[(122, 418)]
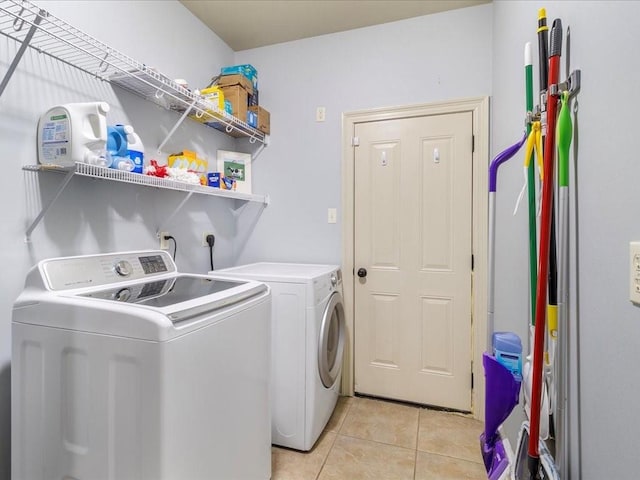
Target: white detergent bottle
[(74, 132), (135, 149)]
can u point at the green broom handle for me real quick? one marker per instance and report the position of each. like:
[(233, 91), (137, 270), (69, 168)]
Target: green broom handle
[(531, 188)]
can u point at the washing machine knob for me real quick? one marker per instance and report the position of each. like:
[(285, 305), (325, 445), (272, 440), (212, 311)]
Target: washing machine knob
[(122, 295), (123, 268), (334, 280)]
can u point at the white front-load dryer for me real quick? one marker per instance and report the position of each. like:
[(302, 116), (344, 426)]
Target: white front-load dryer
[(307, 344)]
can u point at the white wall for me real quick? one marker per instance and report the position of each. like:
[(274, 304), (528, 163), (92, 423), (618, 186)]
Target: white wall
[(445, 56), (98, 216), (604, 36), (421, 60)]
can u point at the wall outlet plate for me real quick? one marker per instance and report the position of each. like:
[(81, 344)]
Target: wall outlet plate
[(204, 238), (332, 215), (164, 244)]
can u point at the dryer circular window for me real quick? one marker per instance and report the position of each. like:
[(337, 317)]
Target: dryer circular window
[(331, 341)]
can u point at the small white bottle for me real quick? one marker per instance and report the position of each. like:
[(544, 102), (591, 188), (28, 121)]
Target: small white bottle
[(135, 149)]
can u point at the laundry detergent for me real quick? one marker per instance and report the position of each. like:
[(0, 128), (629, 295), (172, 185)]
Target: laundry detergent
[(74, 132)]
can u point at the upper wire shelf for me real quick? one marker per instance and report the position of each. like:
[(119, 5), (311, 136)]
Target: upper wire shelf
[(23, 21)]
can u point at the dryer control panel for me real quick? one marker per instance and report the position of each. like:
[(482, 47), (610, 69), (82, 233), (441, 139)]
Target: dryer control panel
[(106, 269), (324, 285)]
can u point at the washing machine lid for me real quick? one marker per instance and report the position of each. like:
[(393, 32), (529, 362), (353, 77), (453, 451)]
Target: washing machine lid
[(180, 297), (279, 272), (128, 284)]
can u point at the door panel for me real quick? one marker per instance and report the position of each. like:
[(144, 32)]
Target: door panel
[(412, 233)]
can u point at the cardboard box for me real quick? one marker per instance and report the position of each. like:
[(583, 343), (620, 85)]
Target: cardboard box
[(238, 97), (264, 119), (237, 79), (247, 70), (215, 97)]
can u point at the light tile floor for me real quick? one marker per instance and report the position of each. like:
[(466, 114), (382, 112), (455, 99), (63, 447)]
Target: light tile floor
[(376, 439)]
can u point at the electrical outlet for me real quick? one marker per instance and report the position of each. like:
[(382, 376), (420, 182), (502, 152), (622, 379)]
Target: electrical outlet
[(320, 114), (204, 238), (164, 244), (634, 272)]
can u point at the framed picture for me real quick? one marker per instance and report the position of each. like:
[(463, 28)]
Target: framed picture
[(237, 166)]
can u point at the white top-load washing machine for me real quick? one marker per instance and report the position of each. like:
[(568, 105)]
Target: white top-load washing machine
[(124, 368), (308, 335)]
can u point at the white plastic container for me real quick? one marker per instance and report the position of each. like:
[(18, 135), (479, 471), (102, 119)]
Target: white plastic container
[(135, 149), (75, 132)]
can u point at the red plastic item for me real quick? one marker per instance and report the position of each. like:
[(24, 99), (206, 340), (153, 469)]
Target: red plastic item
[(156, 170)]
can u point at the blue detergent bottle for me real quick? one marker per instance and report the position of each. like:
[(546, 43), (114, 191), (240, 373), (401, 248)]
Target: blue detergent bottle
[(117, 148), (507, 349)]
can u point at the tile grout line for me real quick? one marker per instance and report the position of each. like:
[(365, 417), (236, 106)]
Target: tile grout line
[(379, 442), (326, 457), (415, 457), (346, 413)]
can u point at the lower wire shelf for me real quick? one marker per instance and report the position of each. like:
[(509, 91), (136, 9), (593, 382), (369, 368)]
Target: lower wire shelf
[(104, 173)]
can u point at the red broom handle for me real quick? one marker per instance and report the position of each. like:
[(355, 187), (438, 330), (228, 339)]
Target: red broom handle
[(545, 232)]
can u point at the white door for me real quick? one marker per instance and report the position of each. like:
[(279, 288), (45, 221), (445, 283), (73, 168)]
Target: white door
[(413, 237)]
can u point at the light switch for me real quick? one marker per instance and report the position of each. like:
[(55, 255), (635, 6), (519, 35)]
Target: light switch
[(634, 272), (332, 215)]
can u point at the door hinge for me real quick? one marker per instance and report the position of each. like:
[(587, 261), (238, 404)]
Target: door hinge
[(355, 141), (471, 378), (473, 262), (473, 143)]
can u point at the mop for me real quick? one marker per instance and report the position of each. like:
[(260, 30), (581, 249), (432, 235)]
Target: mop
[(538, 138), (502, 387), (544, 466), (564, 136), (533, 451), (534, 142)]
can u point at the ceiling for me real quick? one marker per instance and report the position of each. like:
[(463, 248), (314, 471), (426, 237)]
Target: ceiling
[(244, 24)]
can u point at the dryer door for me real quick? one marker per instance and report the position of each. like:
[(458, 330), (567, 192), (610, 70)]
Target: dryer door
[(331, 341)]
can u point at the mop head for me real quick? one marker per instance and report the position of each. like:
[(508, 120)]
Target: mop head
[(501, 396), (496, 457)]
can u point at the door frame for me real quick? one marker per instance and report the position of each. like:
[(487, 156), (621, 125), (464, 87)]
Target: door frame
[(479, 108)]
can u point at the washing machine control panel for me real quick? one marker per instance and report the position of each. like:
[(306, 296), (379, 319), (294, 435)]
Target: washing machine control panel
[(96, 270)]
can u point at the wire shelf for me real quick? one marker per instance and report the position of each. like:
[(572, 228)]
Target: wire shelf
[(105, 173), (23, 21)]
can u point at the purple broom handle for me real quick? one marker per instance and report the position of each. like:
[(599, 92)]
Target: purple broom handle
[(500, 159)]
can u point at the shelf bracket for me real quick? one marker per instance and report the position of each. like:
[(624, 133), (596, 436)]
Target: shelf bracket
[(258, 152), (23, 47), (170, 217), (240, 205), (175, 127), (46, 208)]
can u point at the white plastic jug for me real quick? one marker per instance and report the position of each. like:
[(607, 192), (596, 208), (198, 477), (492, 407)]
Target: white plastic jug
[(75, 132), (135, 149)]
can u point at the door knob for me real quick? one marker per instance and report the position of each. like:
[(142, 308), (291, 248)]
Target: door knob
[(362, 272)]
